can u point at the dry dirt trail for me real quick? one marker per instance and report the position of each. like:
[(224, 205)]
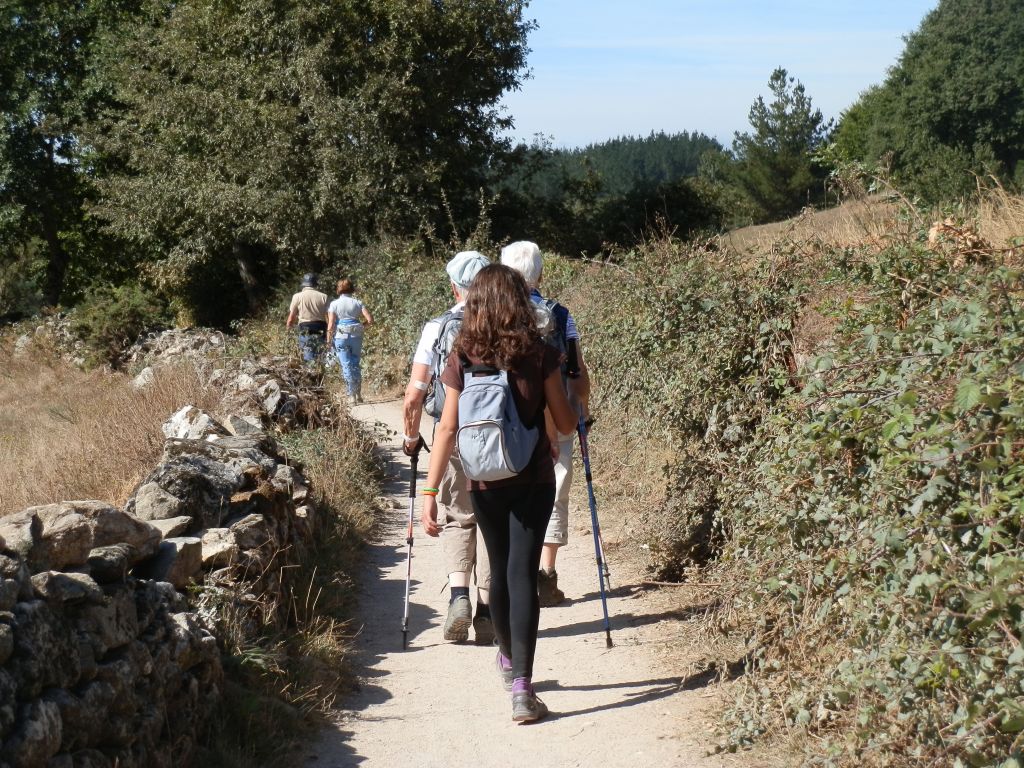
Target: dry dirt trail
[(441, 704)]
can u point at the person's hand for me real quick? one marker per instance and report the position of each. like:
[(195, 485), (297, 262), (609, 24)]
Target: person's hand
[(411, 446), (554, 449), (428, 517)]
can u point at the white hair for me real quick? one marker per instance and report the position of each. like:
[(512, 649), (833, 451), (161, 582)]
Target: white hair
[(524, 257)]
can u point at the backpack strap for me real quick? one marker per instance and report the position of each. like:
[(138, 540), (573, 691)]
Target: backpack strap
[(473, 368)]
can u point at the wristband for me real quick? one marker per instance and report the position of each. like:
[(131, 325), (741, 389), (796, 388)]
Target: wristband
[(411, 438), (420, 385), (429, 491)]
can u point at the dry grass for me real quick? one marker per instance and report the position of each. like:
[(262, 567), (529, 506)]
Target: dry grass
[(1001, 217), (858, 222), (72, 434)]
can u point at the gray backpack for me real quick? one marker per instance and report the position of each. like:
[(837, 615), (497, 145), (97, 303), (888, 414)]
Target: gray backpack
[(493, 442), (450, 323)]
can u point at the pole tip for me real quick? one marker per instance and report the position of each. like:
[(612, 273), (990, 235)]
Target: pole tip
[(608, 641)]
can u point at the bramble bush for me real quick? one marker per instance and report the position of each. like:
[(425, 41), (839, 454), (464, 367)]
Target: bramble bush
[(876, 540)]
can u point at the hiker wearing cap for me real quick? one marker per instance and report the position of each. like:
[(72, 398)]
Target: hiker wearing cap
[(461, 542), (345, 317), (499, 341), (308, 309), (525, 257)]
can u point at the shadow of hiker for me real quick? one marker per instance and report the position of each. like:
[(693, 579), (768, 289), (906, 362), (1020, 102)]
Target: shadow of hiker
[(653, 691), (621, 621)]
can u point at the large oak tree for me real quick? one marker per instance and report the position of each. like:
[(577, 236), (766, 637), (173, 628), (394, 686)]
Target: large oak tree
[(269, 133)]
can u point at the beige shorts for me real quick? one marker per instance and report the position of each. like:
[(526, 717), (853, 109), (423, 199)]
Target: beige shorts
[(461, 541), (558, 526)]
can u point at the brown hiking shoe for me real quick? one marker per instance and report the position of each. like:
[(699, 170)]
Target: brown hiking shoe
[(483, 628), (460, 616), (547, 589)]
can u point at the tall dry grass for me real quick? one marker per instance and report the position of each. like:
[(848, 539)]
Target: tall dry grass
[(858, 222), (72, 434), (1001, 217)]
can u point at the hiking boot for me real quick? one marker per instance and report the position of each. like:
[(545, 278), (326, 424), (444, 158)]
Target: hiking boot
[(460, 616), (526, 707), (483, 628), (547, 589), (505, 672)]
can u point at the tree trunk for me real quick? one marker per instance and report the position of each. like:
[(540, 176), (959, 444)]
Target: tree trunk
[(56, 265), (247, 271)]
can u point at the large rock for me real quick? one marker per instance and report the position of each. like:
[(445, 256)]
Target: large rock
[(179, 561), (152, 502), (37, 736), (220, 547), (109, 564), (174, 526), (112, 624), (46, 650), (59, 587), (251, 531), (20, 532), (62, 535), (244, 425), (191, 423)]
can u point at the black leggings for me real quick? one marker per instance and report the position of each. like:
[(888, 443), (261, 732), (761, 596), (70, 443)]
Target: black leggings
[(513, 521)]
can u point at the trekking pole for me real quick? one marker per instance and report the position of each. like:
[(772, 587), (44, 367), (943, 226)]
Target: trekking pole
[(602, 568), (413, 461)]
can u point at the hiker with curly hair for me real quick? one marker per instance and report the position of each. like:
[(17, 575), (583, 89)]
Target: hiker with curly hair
[(499, 332)]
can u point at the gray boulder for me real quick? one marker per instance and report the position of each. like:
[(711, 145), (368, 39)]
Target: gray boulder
[(37, 736), (179, 561), (59, 587), (60, 536), (220, 548), (191, 423)]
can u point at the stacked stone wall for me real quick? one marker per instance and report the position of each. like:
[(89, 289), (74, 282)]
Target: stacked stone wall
[(108, 635)]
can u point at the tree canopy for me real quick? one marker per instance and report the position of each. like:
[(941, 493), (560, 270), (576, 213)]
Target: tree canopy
[(271, 133), (952, 106)]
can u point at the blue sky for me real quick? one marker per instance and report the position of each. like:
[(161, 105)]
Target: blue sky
[(606, 68)]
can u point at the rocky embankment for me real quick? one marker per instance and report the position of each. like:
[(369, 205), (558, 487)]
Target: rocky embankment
[(110, 617)]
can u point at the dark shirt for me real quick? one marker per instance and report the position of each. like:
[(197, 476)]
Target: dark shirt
[(527, 381)]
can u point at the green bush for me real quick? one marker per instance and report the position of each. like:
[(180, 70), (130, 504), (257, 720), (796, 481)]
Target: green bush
[(876, 547), (110, 318)]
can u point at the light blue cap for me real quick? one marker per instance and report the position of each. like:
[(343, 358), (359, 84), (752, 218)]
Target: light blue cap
[(464, 266)]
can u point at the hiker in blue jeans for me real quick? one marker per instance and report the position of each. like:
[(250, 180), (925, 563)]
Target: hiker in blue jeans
[(345, 327)]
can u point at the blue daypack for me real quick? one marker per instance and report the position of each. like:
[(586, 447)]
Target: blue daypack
[(493, 442)]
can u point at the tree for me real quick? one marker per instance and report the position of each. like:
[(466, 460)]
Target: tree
[(953, 106), (46, 48), (268, 134), (774, 162)]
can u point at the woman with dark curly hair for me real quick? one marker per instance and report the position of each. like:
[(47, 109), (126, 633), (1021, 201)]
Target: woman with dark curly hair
[(499, 330)]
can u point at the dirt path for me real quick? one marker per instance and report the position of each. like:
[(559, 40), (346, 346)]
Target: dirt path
[(440, 704)]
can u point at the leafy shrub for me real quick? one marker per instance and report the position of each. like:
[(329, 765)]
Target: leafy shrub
[(686, 346), (876, 545), (112, 317)]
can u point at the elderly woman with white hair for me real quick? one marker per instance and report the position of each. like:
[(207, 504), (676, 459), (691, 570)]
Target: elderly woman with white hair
[(525, 257)]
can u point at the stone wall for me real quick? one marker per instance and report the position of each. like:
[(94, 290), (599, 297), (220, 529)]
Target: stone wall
[(108, 655)]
